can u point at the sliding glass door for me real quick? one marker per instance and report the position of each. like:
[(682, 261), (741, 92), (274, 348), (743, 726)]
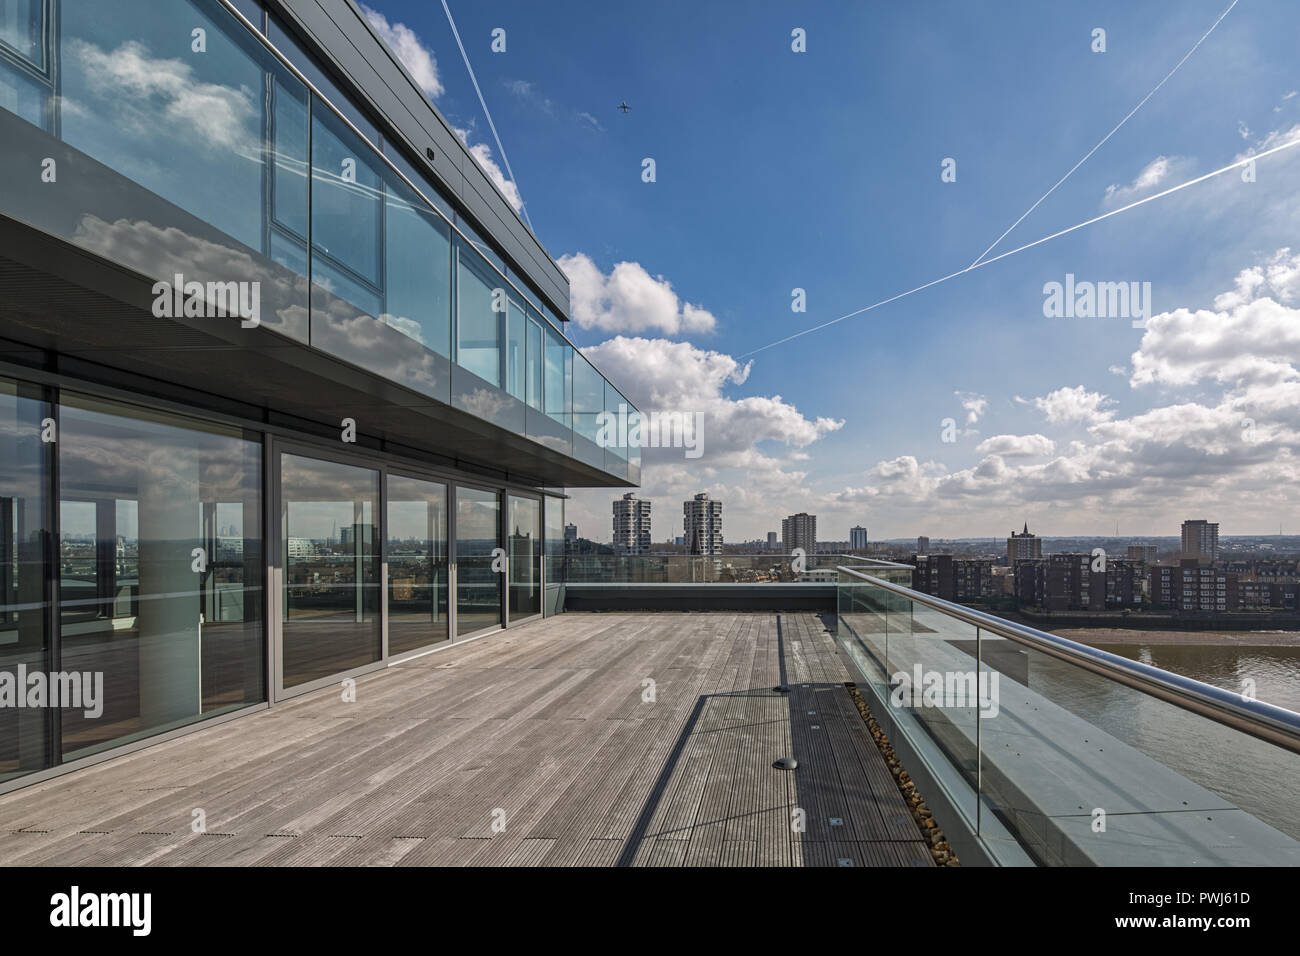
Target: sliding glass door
[(329, 515), (160, 570), (480, 563), (26, 541), (417, 563), (525, 530), (341, 592)]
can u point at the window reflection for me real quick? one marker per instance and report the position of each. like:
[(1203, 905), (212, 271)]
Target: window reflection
[(160, 569), (346, 213), (329, 515), (417, 563), (22, 29), (127, 70), (25, 542), (525, 552), (516, 351), (533, 376), (553, 512), (287, 44), (478, 585), (559, 377), (478, 325), (588, 398), (418, 269)]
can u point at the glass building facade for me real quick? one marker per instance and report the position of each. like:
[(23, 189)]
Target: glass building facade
[(184, 535)]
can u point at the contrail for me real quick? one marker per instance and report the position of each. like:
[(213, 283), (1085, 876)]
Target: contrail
[(1102, 143), (473, 79), (1030, 245)]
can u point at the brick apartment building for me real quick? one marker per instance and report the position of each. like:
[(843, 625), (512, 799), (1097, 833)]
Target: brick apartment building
[(1066, 582), (1193, 586), (1265, 595), (955, 579)]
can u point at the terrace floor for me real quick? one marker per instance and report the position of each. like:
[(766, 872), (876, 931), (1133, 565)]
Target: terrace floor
[(542, 745)]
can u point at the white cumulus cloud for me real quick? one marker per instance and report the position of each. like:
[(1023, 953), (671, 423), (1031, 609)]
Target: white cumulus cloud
[(1075, 404), (1234, 438), (974, 405), (629, 299), (414, 54), (1016, 446), (482, 154)]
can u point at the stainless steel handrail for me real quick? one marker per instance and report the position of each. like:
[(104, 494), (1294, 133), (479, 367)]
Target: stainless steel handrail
[(877, 562), (1267, 722)]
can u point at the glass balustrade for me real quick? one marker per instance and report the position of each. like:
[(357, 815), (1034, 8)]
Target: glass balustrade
[(1070, 755), (247, 174)]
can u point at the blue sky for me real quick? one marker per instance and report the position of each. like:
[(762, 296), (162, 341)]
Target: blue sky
[(820, 170)]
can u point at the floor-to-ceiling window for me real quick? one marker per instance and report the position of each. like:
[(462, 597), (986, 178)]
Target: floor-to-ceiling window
[(417, 563), (131, 559), (553, 514), (524, 527), (480, 564), (329, 532), (25, 545), (160, 571)]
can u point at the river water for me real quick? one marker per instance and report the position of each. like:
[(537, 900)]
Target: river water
[(1260, 778), (1274, 669)]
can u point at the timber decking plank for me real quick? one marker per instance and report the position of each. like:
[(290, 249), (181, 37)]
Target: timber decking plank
[(551, 723)]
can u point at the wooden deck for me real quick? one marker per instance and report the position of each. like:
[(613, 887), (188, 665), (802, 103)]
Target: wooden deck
[(533, 747)]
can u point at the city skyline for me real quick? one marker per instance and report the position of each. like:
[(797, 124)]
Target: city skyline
[(631, 516), (1078, 442), (916, 534)]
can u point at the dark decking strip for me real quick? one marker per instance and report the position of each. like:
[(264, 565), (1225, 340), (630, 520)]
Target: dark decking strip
[(542, 727)]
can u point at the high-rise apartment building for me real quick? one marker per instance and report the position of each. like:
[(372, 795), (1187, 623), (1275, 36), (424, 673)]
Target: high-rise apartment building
[(799, 531), (1201, 540), (253, 248), (1023, 546), (922, 545), (857, 538), (632, 525), (772, 542), (570, 533), (702, 522)]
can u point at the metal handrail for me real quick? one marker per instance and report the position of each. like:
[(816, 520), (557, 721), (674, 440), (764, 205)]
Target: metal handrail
[(1267, 722), (874, 562)]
